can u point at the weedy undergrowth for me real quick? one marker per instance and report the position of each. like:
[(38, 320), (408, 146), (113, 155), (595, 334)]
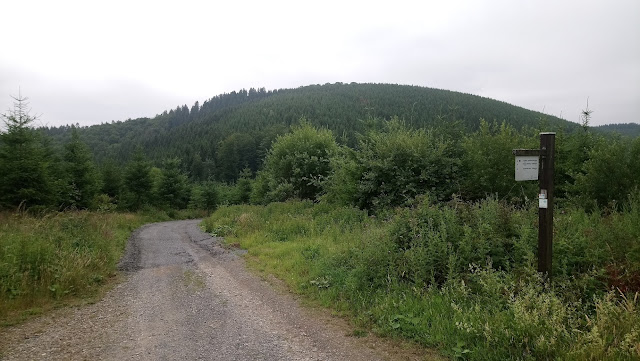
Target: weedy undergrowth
[(58, 257), (458, 276)]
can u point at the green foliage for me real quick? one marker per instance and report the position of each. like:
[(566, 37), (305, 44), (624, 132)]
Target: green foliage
[(235, 153), (82, 178), (626, 129), (386, 166), (247, 122), (173, 189), (138, 182), (104, 203), (613, 334), (458, 276), (435, 244), (205, 196), (243, 186), (442, 271), (610, 173), (235, 193), (111, 179), (572, 150), (24, 177), (58, 257), (298, 162), (489, 163), (260, 189), (393, 165), (605, 246)]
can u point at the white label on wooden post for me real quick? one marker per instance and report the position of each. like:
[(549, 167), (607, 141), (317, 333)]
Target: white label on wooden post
[(527, 167), (543, 203)]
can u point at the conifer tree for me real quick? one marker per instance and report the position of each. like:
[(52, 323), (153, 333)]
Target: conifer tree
[(210, 196), (111, 179), (82, 177), (23, 167), (173, 190), (138, 181), (243, 186)]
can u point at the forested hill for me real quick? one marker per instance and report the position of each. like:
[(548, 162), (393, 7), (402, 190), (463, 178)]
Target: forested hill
[(231, 131), (628, 129)]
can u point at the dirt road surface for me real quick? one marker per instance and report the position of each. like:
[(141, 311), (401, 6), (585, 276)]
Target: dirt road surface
[(187, 298)]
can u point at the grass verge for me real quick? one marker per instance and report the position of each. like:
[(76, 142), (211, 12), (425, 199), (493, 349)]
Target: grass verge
[(64, 258), (459, 277)]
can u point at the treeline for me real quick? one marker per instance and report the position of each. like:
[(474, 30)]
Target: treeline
[(388, 165), (626, 129), (393, 163), (230, 132), (36, 175)]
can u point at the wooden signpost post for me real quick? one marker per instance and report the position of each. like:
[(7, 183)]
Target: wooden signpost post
[(540, 162)]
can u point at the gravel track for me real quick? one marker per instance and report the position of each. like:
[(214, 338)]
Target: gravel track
[(187, 298)]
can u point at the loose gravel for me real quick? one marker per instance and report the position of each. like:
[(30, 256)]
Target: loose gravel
[(187, 298)]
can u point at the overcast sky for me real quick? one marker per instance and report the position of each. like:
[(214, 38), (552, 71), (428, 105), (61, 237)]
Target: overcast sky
[(89, 62)]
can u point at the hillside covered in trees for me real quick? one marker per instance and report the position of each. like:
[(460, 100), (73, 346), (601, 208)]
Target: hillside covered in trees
[(389, 143), (396, 205), (626, 129), (229, 132)]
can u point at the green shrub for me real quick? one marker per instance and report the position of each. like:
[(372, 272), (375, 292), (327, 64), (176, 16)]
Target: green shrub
[(297, 164), (610, 174), (392, 166), (460, 277), (489, 164)]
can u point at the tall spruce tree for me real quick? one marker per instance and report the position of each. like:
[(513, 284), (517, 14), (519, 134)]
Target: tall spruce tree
[(173, 190), (138, 181), (82, 177), (24, 180), (210, 196)]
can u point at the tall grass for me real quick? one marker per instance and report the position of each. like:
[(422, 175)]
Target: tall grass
[(458, 276), (49, 260)]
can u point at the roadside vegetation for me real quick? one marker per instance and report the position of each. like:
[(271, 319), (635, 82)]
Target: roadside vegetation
[(415, 228), (457, 276), (425, 235), (64, 223), (61, 257)]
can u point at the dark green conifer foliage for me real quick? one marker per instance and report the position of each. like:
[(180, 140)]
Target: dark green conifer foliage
[(236, 152), (210, 196), (55, 170), (111, 179), (82, 176), (256, 116), (243, 186), (197, 166), (572, 151), (138, 181), (23, 165), (173, 190)]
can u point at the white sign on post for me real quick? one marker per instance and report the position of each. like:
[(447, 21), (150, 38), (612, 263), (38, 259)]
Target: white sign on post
[(543, 202), (527, 167)]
